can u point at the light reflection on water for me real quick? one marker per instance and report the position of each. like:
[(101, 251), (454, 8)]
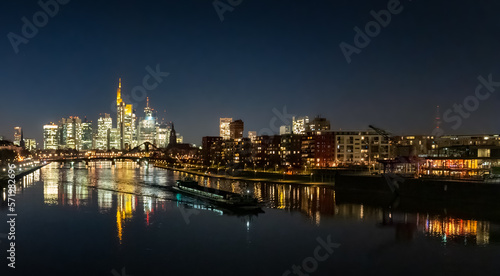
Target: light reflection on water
[(119, 187), (136, 198)]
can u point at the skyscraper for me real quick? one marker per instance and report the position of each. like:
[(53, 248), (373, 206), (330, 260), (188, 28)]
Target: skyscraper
[(300, 125), (73, 129), (86, 135), (125, 120), (104, 126), (224, 128), (50, 136), (29, 144), (146, 130), (17, 136), (236, 129)]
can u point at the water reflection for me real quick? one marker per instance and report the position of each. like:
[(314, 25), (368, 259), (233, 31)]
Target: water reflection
[(453, 230), (127, 191)]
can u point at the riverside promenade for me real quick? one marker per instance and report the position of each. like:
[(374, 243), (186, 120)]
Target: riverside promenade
[(259, 177)]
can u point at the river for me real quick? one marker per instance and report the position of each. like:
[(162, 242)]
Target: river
[(106, 219)]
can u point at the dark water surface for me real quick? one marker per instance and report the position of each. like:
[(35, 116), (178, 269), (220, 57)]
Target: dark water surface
[(121, 220)]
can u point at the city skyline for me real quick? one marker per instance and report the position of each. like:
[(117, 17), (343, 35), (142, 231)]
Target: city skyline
[(244, 68)]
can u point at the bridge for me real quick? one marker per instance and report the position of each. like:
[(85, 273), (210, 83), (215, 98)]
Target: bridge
[(139, 154)]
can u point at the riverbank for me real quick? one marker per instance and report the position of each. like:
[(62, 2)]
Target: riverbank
[(258, 177), (421, 188), (4, 176)]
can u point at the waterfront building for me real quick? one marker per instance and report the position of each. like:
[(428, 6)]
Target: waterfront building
[(236, 129), (285, 130), (300, 125), (290, 150), (224, 128), (50, 137), (414, 145), (318, 149), (209, 152), (361, 147), (17, 136)]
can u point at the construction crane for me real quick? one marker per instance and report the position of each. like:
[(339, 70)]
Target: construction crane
[(381, 132)]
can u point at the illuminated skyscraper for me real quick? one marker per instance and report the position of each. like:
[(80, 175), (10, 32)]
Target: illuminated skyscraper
[(50, 136), (86, 135), (104, 126), (125, 122), (29, 144), (146, 131), (252, 135), (225, 132), (300, 125), (17, 136), (72, 129), (162, 135)]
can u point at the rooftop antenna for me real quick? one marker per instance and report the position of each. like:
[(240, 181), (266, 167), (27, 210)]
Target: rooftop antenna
[(438, 118)]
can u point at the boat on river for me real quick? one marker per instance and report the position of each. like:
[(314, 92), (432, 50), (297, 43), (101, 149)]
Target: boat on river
[(217, 197)]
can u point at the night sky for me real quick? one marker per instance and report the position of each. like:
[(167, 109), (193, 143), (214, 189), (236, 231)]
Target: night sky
[(264, 55)]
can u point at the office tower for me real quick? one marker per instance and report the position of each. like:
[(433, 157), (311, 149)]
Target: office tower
[(29, 144), (252, 135), (224, 128), (162, 135), (179, 139), (50, 136), (104, 126), (17, 136), (319, 124), (114, 139), (86, 135), (300, 125), (146, 130), (125, 122), (72, 129), (285, 130), (236, 129)]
